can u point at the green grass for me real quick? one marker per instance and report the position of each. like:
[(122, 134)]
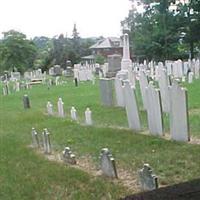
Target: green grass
[(24, 174)]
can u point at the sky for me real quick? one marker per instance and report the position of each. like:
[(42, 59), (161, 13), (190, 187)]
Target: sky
[(49, 18)]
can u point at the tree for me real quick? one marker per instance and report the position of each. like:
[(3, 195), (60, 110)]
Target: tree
[(16, 52), (159, 32)]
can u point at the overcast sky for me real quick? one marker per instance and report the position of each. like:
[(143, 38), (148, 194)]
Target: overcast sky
[(52, 17)]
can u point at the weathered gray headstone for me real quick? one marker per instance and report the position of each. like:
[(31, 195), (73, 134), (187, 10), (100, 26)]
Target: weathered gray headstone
[(107, 163), (35, 138), (114, 65), (46, 141), (60, 104), (164, 83), (131, 107), (143, 80), (107, 91), (179, 123), (49, 108), (148, 180), (68, 156), (154, 110), (88, 116), (119, 92), (26, 101), (190, 77), (73, 113)]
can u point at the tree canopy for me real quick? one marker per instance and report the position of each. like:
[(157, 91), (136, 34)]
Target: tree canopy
[(16, 52), (167, 29)]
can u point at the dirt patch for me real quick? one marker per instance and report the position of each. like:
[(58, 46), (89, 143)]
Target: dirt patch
[(126, 178), (195, 111)]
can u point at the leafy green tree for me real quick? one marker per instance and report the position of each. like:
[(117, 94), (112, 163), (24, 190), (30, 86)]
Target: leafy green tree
[(16, 51), (161, 33)]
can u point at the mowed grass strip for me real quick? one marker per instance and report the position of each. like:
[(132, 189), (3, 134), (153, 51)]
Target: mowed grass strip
[(27, 175)]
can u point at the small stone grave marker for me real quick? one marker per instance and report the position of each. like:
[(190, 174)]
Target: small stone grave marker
[(107, 163), (60, 108), (73, 114), (88, 116), (35, 138), (148, 180), (26, 101), (49, 108), (46, 141), (68, 156)]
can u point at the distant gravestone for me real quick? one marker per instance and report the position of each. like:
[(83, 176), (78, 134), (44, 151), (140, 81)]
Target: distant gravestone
[(76, 81), (68, 157), (46, 141), (179, 123), (49, 108), (60, 104), (107, 91), (143, 80), (131, 107), (148, 181), (190, 77), (107, 163), (35, 138), (73, 113), (154, 110), (88, 117), (26, 101), (114, 65), (119, 92), (164, 83)]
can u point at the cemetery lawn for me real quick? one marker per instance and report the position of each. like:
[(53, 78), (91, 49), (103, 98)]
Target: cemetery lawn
[(27, 174)]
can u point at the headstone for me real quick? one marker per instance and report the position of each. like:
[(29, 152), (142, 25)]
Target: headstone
[(190, 77), (148, 181), (26, 101), (107, 91), (114, 65), (179, 123), (60, 104), (68, 156), (126, 61), (197, 69), (35, 138), (73, 114), (88, 117), (119, 92), (107, 163), (76, 81), (46, 141), (49, 108), (164, 83), (143, 80), (154, 110), (131, 107)]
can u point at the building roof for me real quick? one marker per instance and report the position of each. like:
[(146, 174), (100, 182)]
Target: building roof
[(110, 42), (90, 57)]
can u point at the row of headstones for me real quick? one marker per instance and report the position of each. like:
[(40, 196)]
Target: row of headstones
[(73, 112), (177, 69), (147, 180), (165, 99), (16, 86), (155, 102)]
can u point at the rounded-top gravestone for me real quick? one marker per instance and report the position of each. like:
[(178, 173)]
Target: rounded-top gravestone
[(26, 101)]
